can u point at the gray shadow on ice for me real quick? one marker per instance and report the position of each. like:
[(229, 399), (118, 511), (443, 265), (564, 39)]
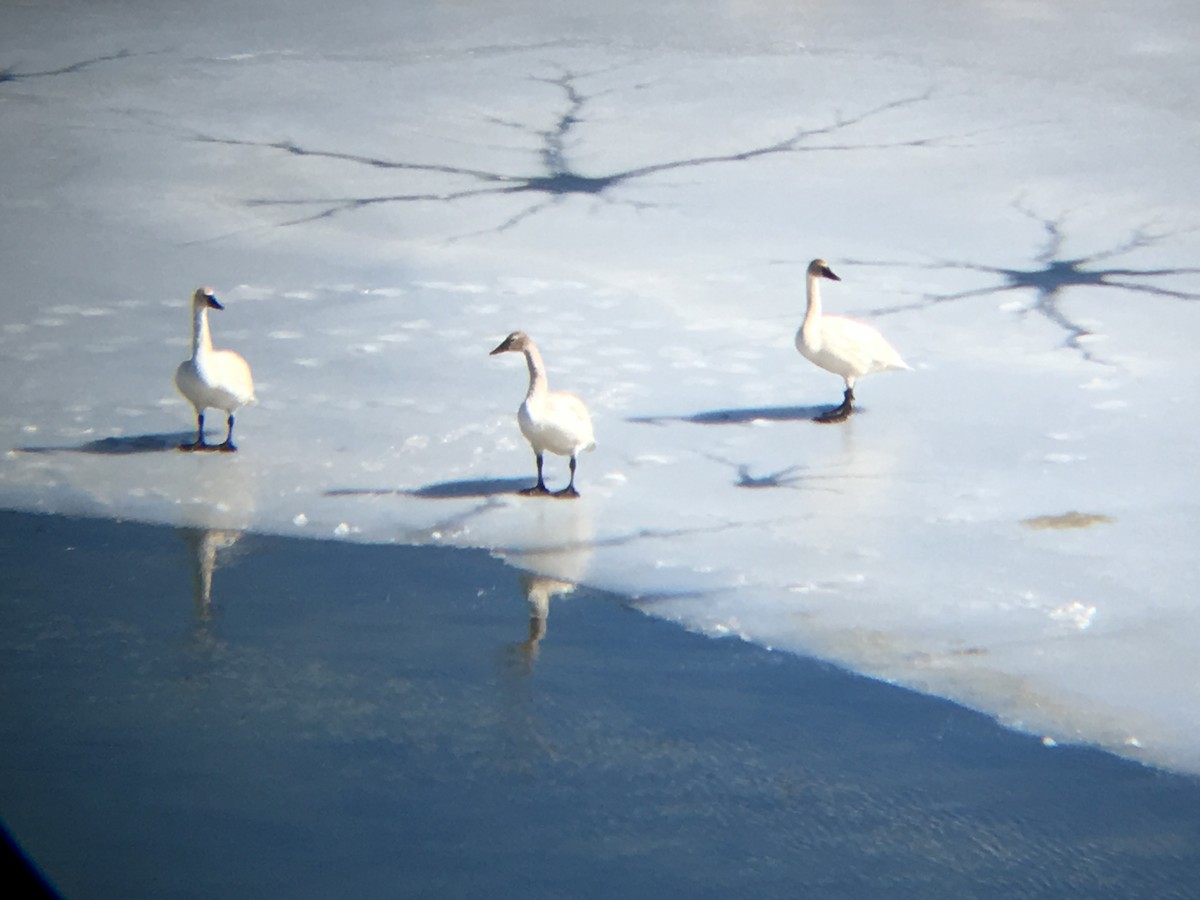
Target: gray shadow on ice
[(442, 490), (122, 446), (741, 416)]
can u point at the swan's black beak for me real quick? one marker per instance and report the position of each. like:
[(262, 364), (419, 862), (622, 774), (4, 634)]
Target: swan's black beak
[(516, 342), (213, 301), (828, 273)]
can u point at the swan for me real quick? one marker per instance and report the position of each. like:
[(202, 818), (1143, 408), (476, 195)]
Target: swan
[(843, 346), (550, 420), (217, 379)]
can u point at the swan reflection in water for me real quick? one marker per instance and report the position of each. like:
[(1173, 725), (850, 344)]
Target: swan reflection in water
[(539, 590), (555, 549), (204, 544), (222, 499)]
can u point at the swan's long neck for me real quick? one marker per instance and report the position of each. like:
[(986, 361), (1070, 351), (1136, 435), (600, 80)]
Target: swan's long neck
[(201, 336), (813, 315), (539, 384)]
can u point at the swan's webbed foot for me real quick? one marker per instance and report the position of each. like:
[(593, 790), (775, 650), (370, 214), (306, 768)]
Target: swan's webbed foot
[(199, 443), (539, 489), (228, 445), (839, 413), (569, 492)]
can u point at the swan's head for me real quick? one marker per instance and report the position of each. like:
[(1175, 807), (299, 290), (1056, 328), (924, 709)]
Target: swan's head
[(204, 297), (818, 268), (516, 342)]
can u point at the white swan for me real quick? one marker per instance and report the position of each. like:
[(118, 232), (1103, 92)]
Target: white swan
[(840, 345), (217, 379), (550, 420)]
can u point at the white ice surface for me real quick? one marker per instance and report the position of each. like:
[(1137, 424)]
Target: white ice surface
[(379, 195)]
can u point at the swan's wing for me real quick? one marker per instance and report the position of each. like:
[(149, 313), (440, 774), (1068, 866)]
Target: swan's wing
[(567, 416), (860, 344), (232, 373), (187, 381)]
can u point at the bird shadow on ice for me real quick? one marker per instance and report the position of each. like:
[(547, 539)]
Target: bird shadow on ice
[(740, 416), (121, 446), (441, 490)]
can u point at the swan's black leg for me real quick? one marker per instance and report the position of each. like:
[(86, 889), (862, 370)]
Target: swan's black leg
[(228, 446), (569, 490), (540, 487), (197, 444), (840, 413)]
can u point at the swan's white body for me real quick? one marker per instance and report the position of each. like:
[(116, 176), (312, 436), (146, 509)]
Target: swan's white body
[(845, 347), (553, 421), (212, 379)]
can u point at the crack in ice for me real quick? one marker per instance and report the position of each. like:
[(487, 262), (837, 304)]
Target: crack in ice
[(558, 178), (1053, 276), (7, 74)]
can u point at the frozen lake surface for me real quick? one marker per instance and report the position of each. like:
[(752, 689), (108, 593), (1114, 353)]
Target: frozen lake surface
[(379, 197)]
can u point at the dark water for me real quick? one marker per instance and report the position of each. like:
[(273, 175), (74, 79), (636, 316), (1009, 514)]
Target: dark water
[(346, 721)]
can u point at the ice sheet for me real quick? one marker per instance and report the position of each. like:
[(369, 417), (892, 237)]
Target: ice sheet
[(379, 197)]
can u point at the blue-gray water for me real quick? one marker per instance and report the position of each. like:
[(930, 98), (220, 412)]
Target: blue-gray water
[(366, 721)]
